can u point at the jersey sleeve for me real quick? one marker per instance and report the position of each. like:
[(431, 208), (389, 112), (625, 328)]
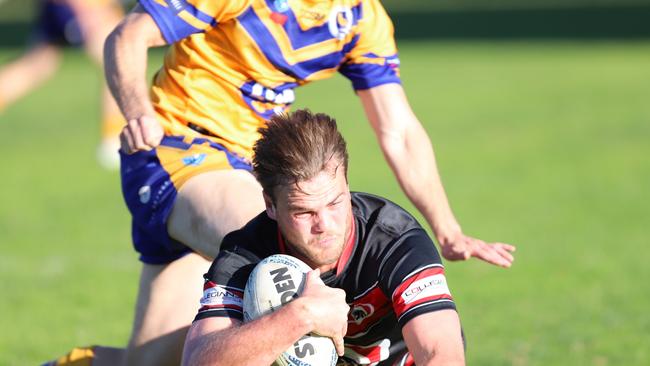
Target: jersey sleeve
[(413, 275), (223, 287), (373, 60), (178, 19)]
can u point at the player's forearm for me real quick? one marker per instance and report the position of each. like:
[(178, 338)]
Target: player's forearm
[(125, 64), (411, 157), (446, 354), (408, 150), (441, 347), (259, 342), (442, 360)]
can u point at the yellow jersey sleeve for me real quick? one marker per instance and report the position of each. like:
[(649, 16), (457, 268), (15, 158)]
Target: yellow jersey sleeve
[(373, 60), (178, 19)]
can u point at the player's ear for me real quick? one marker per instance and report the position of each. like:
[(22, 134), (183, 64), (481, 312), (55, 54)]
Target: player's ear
[(270, 207)]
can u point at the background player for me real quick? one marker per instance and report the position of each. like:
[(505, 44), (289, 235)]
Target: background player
[(187, 144), (67, 22), (367, 246)]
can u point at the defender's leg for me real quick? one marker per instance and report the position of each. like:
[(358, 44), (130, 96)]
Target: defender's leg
[(211, 205), (168, 298)]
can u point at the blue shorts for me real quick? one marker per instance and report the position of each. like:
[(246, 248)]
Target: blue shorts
[(57, 24), (151, 180)]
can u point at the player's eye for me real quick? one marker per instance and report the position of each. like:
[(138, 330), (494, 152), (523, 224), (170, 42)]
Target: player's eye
[(302, 214)]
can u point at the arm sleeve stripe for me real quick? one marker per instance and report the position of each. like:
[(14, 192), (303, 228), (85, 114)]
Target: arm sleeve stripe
[(177, 22), (198, 14), (366, 76), (193, 21), (434, 265), (219, 307), (441, 301), (209, 284), (431, 269), (157, 12), (426, 287), (222, 313), (403, 308), (238, 311)]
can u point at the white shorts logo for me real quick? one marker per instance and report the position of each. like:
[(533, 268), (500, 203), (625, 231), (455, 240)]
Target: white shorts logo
[(435, 285), (340, 22), (177, 4), (145, 194)]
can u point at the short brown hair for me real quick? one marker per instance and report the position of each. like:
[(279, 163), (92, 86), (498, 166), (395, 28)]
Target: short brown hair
[(295, 147)]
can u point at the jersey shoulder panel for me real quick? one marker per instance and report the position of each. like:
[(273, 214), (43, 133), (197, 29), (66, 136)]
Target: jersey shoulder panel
[(178, 19), (373, 60), (381, 213)]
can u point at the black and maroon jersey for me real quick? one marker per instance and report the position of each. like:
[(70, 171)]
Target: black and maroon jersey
[(390, 270)]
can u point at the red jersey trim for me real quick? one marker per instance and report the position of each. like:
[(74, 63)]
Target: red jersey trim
[(281, 246), (427, 286), (348, 248)]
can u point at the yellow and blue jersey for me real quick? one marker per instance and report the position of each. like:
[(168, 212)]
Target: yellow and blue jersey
[(234, 63)]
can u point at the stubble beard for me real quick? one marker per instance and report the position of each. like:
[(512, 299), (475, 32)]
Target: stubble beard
[(317, 258)]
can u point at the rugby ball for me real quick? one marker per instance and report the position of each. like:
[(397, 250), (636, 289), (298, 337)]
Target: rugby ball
[(274, 282)]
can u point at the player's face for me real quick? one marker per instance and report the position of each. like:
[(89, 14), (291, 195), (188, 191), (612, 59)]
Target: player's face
[(315, 216)]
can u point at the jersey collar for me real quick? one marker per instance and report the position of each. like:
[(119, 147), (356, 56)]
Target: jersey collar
[(347, 249)]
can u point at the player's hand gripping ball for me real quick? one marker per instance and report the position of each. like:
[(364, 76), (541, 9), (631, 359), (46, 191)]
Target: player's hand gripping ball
[(274, 282)]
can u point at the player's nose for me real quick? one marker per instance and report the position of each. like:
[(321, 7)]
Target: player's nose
[(325, 222)]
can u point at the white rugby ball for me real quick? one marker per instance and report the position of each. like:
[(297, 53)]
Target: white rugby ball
[(274, 282)]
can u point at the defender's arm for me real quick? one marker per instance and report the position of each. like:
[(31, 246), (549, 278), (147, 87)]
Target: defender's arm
[(125, 66), (408, 150)]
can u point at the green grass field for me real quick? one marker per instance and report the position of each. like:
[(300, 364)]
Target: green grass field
[(543, 145)]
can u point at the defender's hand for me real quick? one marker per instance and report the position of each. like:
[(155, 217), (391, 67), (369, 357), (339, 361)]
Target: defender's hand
[(327, 309), (143, 133), (462, 247)]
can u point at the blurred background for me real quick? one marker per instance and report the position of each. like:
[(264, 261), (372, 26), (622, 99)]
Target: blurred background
[(539, 115)]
